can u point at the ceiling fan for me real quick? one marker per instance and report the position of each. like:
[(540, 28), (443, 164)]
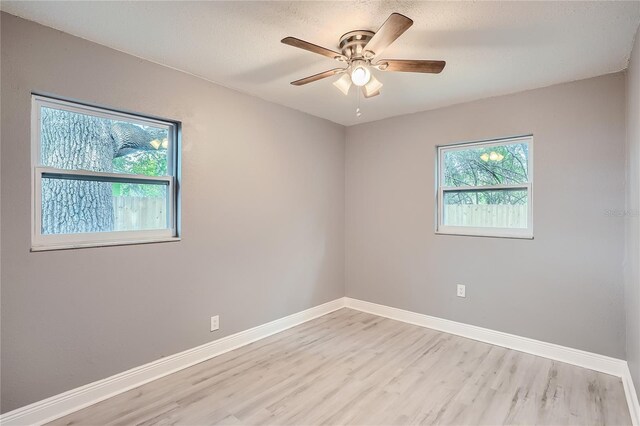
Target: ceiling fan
[(360, 52)]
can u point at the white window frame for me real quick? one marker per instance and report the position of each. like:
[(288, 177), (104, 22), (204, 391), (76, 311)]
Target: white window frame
[(42, 242), (441, 228)]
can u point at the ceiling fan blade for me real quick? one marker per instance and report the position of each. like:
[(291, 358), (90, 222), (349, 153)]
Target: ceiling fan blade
[(372, 88), (317, 77), (393, 27), (301, 44), (343, 83), (410, 65)]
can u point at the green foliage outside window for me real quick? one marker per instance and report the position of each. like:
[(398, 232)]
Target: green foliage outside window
[(148, 163), (485, 166)]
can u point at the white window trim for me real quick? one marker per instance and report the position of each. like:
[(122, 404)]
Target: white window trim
[(441, 228), (43, 242)]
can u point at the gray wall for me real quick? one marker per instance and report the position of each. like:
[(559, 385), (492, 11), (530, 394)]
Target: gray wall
[(632, 216), (263, 220), (566, 285)]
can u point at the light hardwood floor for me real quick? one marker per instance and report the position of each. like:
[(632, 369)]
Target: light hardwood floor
[(349, 367)]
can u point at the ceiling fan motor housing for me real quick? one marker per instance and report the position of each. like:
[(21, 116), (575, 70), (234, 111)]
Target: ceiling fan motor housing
[(352, 43)]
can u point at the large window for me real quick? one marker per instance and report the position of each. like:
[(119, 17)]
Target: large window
[(101, 177), (485, 188)]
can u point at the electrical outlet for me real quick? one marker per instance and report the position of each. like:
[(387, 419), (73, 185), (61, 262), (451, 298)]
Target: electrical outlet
[(461, 290), (215, 323)]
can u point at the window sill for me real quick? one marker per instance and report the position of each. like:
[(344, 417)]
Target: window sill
[(94, 244), (487, 235)]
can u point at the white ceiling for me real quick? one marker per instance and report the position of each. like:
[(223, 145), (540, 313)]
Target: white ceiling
[(491, 48)]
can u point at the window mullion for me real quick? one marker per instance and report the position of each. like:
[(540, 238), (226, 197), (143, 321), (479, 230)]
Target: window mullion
[(484, 188), (53, 173)]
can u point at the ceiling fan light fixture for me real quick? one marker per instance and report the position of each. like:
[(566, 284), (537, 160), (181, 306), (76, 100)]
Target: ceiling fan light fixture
[(360, 52), (372, 87), (360, 74), (343, 83)]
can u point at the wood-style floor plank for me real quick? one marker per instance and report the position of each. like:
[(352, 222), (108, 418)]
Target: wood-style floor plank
[(350, 367)]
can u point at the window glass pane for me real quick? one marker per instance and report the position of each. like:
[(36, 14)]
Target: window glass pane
[(76, 141), (506, 208), (486, 165), (78, 206)]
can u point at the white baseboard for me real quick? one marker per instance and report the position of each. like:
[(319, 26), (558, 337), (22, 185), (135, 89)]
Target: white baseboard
[(60, 405), (592, 361), (632, 397), (589, 360)]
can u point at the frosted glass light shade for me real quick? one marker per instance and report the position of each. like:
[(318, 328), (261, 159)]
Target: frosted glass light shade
[(372, 87), (343, 83)]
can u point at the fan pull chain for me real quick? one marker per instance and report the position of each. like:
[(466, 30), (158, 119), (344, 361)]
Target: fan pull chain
[(358, 113)]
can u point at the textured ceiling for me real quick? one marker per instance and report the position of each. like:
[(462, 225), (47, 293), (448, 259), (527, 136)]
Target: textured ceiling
[(491, 48)]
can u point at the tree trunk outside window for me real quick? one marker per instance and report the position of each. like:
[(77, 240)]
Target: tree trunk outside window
[(78, 142), (75, 141)]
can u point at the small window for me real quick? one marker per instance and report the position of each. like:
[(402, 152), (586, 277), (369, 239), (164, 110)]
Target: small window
[(484, 188), (101, 177)]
